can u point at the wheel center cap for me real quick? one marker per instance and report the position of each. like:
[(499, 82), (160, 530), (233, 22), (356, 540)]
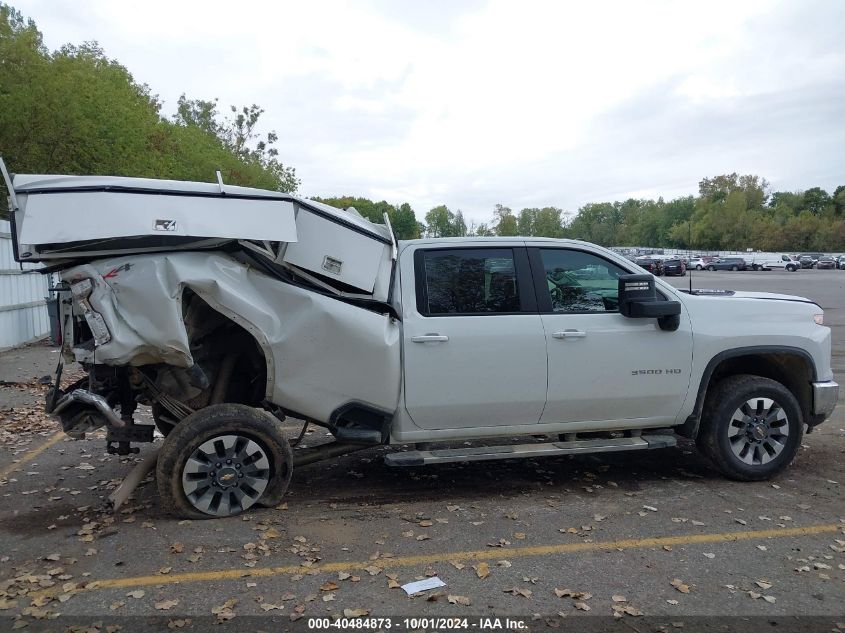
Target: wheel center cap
[(227, 476), (759, 432)]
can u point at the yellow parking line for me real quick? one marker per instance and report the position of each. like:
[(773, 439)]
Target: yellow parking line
[(485, 554), (21, 460)]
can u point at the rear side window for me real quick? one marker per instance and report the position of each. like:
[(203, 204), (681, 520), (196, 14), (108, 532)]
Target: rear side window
[(470, 281)]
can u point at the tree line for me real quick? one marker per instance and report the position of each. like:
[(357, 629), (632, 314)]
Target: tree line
[(731, 212)]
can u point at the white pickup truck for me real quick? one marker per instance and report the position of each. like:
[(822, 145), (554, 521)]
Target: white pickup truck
[(227, 309)]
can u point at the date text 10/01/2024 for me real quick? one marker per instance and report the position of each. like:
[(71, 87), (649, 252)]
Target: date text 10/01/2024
[(417, 623)]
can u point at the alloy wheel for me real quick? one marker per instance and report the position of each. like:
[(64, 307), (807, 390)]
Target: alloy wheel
[(226, 475), (758, 431)]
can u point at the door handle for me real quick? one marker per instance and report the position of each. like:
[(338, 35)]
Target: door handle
[(430, 338), (570, 334)]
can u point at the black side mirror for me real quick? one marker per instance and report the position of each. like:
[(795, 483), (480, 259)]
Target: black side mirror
[(638, 300)]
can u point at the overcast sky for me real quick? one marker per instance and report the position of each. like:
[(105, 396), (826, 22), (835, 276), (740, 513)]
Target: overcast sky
[(472, 103)]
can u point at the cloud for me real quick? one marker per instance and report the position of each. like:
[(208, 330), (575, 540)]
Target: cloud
[(527, 104)]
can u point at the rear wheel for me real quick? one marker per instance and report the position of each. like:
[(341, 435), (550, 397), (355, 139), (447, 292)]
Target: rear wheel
[(222, 460), (751, 427), (734, 268), (711, 268)]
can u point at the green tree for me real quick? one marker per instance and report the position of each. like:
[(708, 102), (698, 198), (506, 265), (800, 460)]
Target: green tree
[(816, 200), (75, 111), (504, 222)]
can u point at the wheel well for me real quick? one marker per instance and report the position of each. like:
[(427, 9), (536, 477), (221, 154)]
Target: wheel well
[(229, 364), (790, 368), (227, 351)]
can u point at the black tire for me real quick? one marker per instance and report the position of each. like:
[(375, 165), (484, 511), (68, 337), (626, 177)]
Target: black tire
[(734, 268), (699, 267), (212, 422), (754, 267), (727, 397), (711, 268)]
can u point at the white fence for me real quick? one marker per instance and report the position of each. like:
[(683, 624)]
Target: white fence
[(23, 309)]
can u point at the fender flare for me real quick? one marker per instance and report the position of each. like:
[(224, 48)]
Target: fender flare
[(691, 425)]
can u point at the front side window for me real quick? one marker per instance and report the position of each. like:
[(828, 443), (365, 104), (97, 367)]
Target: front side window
[(470, 281), (581, 282)]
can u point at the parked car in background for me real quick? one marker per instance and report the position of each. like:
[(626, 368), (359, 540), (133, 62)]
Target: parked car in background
[(651, 264), (700, 262), (728, 263), (842, 262), (806, 261), (770, 261), (826, 262), (674, 267)]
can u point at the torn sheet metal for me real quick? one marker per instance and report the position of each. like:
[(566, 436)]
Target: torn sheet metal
[(321, 353)]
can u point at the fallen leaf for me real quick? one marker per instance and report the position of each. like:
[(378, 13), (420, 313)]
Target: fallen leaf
[(372, 570), (769, 599), (225, 611), (355, 613), (328, 586), (680, 585), (329, 597), (176, 548), (763, 584), (516, 591), (266, 606), (137, 594), (426, 523), (582, 606), (165, 605), (650, 508), (618, 598), (423, 537), (342, 575), (482, 570), (709, 555), (462, 600)]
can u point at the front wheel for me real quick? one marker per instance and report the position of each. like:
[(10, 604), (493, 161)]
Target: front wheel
[(222, 460), (699, 267), (751, 427), (711, 268)]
